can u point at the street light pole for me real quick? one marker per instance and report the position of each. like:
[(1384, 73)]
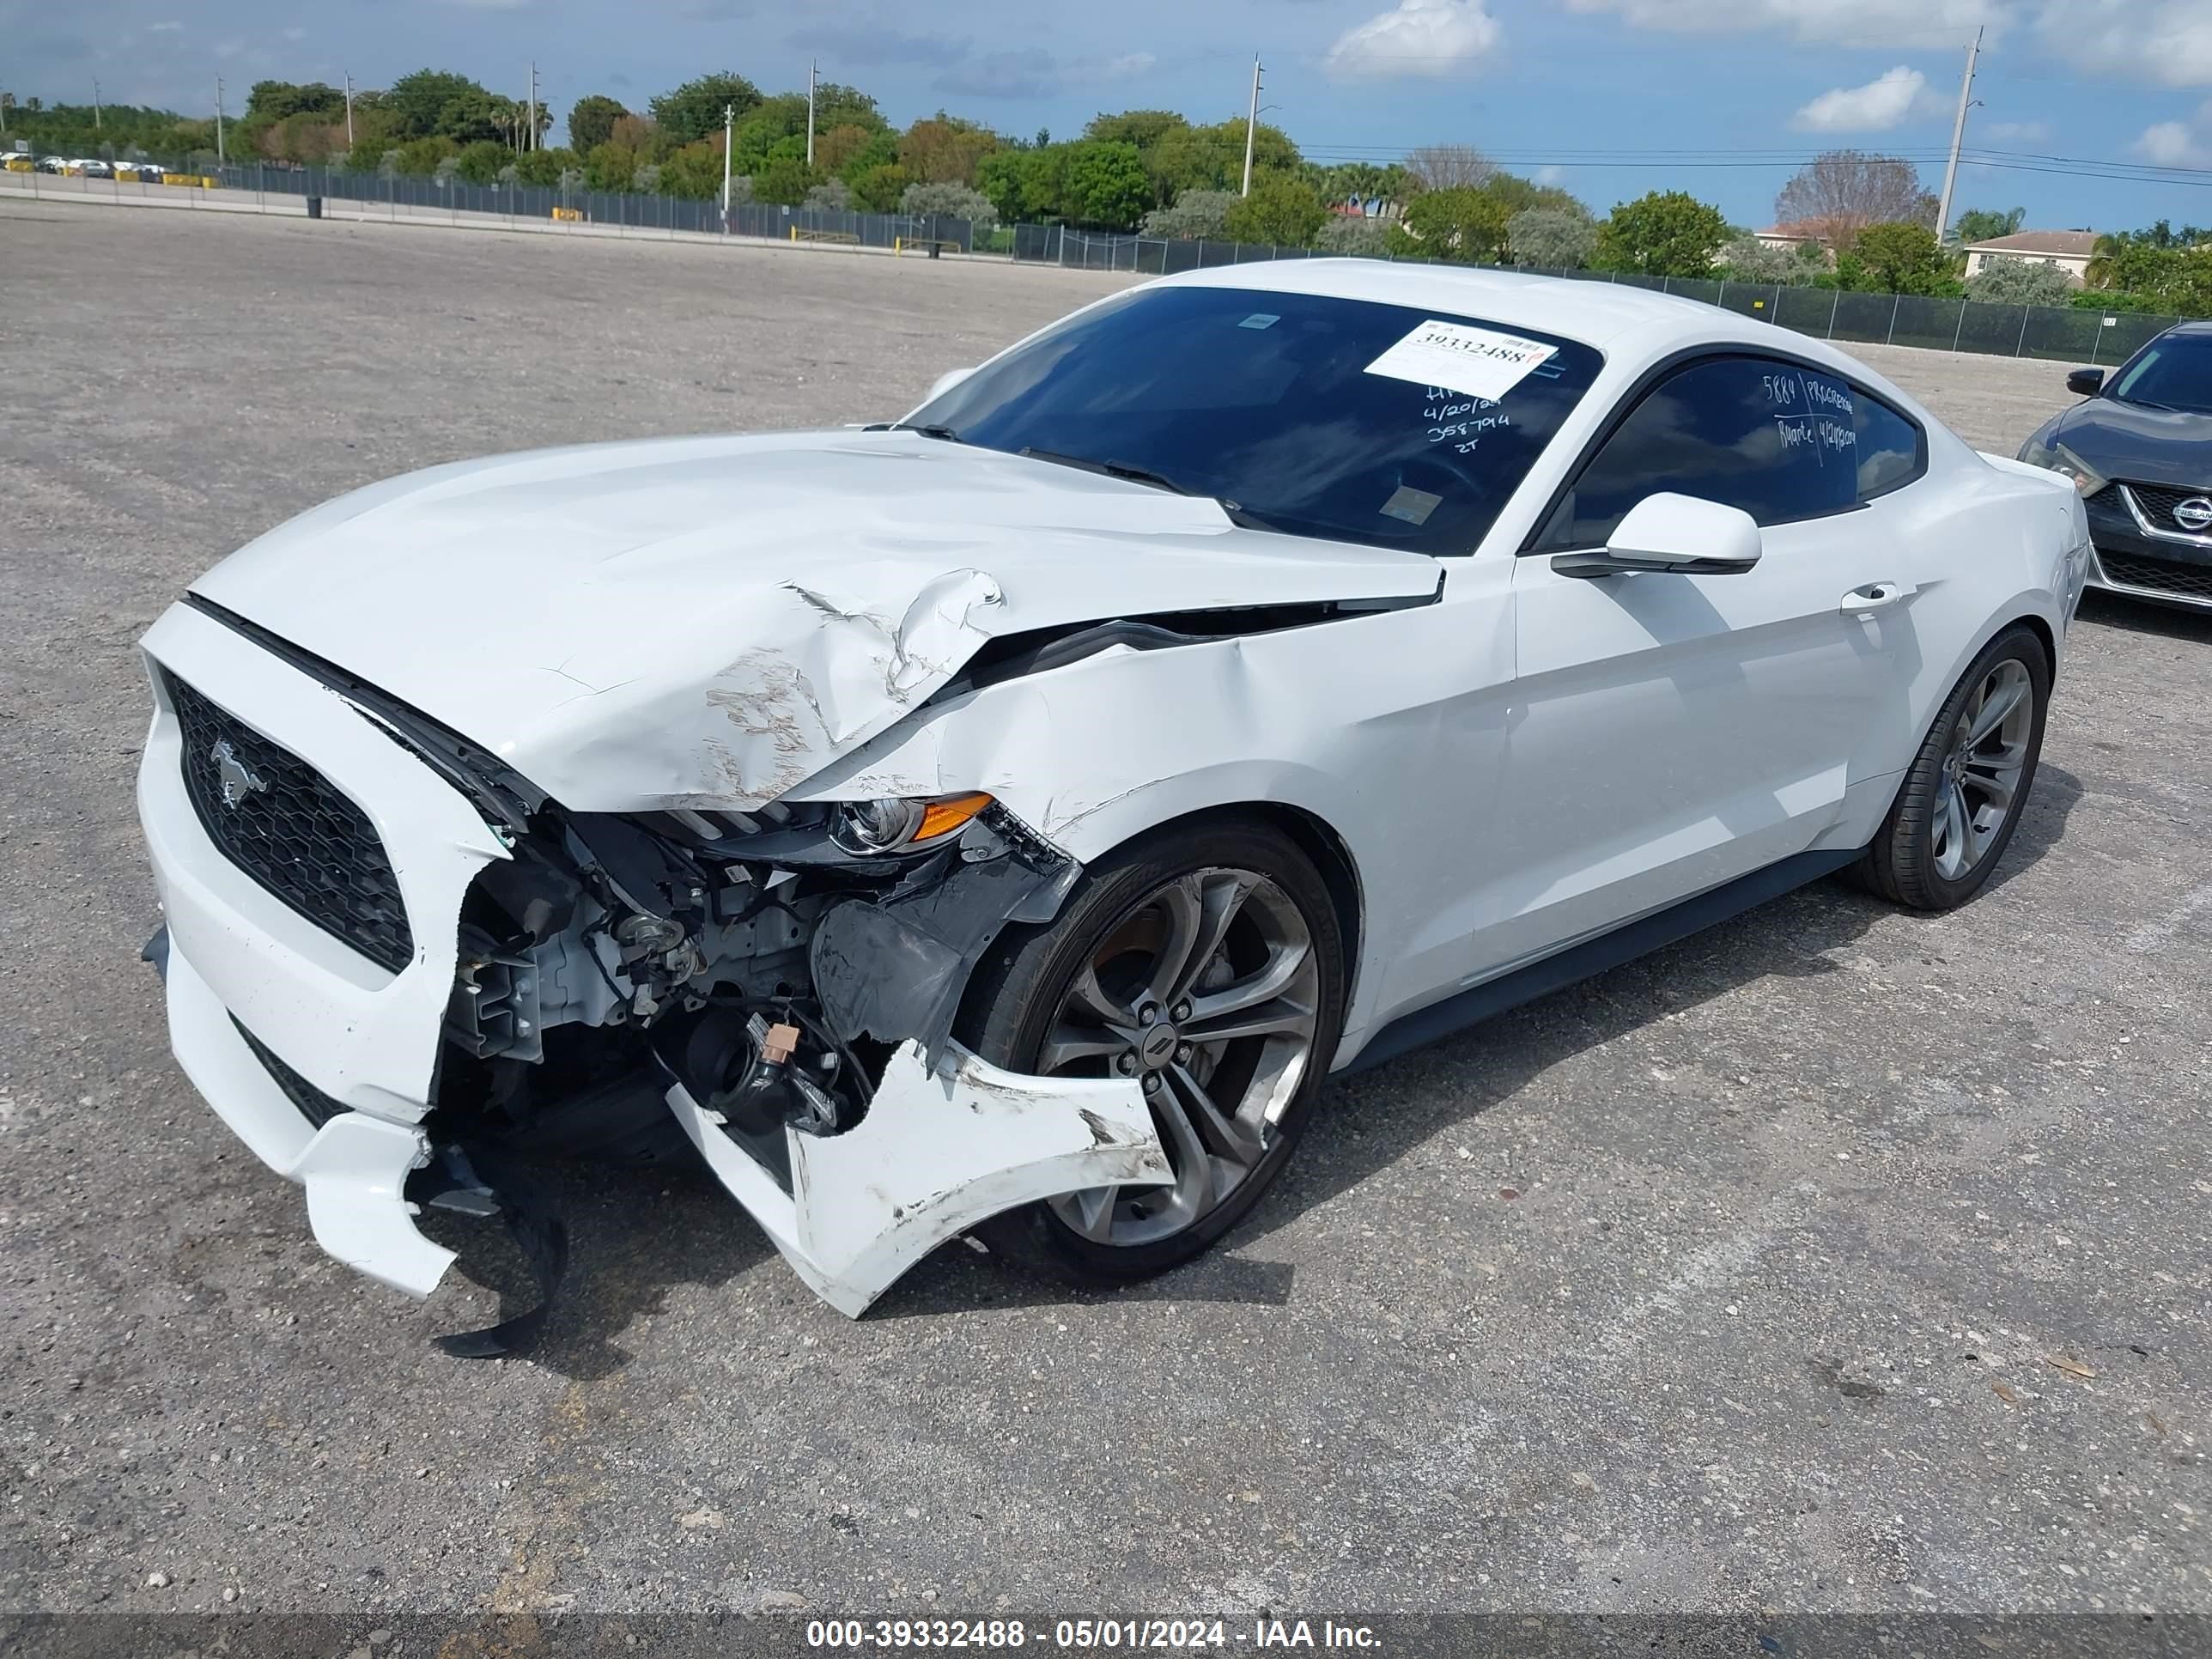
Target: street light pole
[(348, 112), (95, 103), (729, 126), (1958, 136), (1251, 123), (219, 157), (813, 67)]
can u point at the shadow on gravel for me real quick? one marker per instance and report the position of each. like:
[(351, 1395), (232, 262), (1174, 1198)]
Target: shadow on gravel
[(1367, 1122), (634, 1235), (2142, 616)]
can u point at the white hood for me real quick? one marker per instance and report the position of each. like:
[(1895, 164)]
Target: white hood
[(704, 622)]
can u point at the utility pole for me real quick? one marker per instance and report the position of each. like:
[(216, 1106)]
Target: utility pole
[(813, 67), (1957, 137), (218, 121), (729, 126), (532, 143), (95, 103), (1251, 123), (348, 112)]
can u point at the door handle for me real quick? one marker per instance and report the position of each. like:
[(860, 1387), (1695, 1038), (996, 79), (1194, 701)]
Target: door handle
[(1874, 596)]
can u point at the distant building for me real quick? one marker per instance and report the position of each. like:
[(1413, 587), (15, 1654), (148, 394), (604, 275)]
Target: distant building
[(2069, 250), (1790, 235)]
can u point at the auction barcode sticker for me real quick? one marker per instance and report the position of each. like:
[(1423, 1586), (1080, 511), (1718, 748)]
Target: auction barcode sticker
[(1479, 362)]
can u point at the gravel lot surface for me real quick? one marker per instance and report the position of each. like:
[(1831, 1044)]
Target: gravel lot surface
[(1835, 1259)]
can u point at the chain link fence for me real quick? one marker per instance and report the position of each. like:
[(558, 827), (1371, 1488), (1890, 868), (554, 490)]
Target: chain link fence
[(2062, 333)]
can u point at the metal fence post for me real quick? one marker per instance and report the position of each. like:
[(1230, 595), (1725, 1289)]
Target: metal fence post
[(2097, 339), (1893, 305), (2019, 346), (1959, 332), (1834, 305)]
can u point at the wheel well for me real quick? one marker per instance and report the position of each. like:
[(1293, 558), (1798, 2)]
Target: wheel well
[(1320, 843), (2042, 631)]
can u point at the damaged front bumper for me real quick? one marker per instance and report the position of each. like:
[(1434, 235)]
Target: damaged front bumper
[(326, 1064)]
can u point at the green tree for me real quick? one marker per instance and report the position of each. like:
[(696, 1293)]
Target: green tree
[(943, 150), (591, 122), (1553, 238), (1987, 224), (786, 179), (879, 189), (1193, 215), (542, 168), (418, 158), (694, 109), (1462, 223), (931, 200), (1103, 185), (1282, 208), (1665, 234), (610, 165), (694, 172), (278, 99), (2019, 282), (1351, 234), (417, 102), (1212, 158), (1898, 258), (480, 163), (1022, 183)]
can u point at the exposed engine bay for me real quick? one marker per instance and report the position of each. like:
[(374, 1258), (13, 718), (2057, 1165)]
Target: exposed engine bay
[(768, 962)]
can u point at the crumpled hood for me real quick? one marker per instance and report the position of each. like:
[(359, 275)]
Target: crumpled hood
[(2125, 441), (705, 622)]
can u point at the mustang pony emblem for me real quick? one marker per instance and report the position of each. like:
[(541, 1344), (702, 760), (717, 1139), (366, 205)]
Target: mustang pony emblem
[(237, 781)]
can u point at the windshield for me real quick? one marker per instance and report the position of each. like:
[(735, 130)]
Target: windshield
[(1302, 413), (2173, 371)]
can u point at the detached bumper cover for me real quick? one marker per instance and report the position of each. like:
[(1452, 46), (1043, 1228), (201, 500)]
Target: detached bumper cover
[(943, 1145)]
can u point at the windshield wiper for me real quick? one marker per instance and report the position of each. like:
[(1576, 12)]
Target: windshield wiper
[(945, 432), (1140, 475), (1109, 469)]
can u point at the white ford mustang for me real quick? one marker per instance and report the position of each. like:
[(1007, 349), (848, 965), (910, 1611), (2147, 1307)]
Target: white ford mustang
[(1001, 822)]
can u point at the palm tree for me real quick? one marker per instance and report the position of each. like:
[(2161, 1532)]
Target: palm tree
[(2106, 260)]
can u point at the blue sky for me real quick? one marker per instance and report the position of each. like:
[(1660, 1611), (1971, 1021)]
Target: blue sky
[(1607, 97)]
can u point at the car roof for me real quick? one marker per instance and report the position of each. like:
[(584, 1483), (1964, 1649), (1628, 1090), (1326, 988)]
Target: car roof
[(1575, 308)]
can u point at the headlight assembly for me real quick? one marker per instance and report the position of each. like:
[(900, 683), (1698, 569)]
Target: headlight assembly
[(870, 828), (2060, 460)]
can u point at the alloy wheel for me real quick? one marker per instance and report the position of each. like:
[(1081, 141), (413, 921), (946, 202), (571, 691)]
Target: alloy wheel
[(1979, 786), (1208, 993)]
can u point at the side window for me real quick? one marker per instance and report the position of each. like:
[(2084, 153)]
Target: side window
[(1889, 448), (1771, 438)]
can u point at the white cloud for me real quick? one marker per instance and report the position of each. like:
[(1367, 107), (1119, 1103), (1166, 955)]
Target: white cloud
[(2171, 144), (1880, 105), (1417, 37), (2029, 132), (1860, 22), (2168, 42), (1550, 175)]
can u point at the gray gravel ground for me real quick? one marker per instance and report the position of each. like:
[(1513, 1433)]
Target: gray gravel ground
[(1836, 1258)]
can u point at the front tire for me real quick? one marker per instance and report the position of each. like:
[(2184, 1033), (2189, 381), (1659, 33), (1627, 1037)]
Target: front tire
[(1207, 964), (1965, 790)]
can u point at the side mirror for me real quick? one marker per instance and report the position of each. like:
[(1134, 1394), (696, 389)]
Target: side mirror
[(944, 383), (2085, 382), (1670, 532)]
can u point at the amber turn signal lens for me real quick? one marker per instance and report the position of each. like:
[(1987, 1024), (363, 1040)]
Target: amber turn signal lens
[(941, 817)]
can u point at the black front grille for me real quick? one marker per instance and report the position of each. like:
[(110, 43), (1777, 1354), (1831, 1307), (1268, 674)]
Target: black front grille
[(2188, 581), (314, 1105), (2159, 501), (286, 826)]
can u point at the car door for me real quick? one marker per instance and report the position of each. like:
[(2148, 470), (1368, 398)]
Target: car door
[(1671, 733)]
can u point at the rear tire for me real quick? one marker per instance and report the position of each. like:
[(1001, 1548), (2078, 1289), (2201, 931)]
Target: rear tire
[(1261, 958), (1963, 795)]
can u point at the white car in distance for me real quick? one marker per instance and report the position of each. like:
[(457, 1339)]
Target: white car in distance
[(1001, 821)]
